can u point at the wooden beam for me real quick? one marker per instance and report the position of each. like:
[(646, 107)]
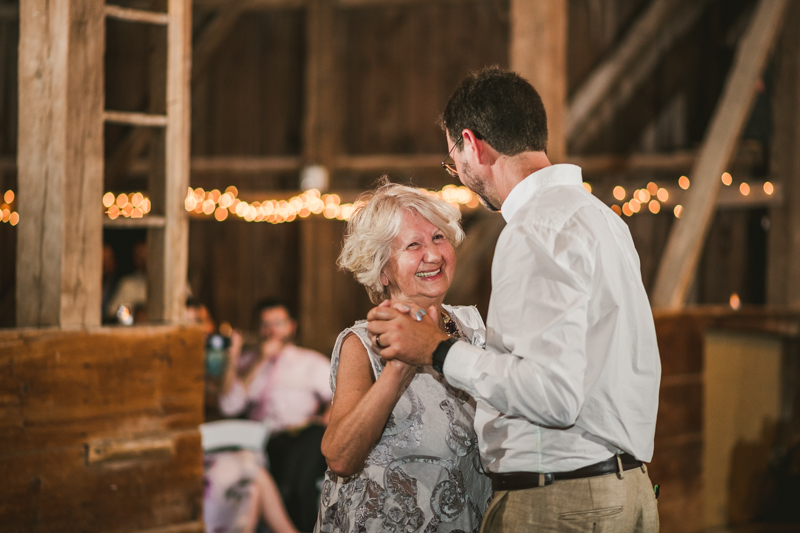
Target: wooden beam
[(320, 239), (538, 52), (60, 160), (243, 164), (147, 221), (612, 84), (135, 119), (263, 5), (136, 15), (212, 36), (167, 285), (207, 41), (783, 262), (387, 161), (677, 268), (252, 5)]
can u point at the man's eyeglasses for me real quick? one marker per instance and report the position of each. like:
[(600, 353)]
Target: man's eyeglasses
[(450, 168)]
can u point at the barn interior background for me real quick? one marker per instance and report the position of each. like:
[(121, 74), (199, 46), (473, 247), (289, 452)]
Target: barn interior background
[(275, 114)]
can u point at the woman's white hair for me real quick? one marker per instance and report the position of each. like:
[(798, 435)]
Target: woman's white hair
[(376, 221)]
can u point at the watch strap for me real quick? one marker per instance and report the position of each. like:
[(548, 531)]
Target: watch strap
[(440, 354)]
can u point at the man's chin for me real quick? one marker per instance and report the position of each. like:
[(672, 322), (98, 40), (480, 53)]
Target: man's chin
[(487, 204)]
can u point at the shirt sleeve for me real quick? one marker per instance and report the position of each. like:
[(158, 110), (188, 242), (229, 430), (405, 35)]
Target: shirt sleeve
[(535, 358), (321, 376), (235, 401)]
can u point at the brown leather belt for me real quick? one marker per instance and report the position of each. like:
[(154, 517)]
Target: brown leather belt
[(529, 480)]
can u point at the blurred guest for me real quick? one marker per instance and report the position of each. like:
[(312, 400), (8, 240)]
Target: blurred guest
[(286, 387), (238, 492), (131, 291)]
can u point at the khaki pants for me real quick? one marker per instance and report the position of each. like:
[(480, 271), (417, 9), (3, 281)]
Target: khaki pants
[(597, 505)]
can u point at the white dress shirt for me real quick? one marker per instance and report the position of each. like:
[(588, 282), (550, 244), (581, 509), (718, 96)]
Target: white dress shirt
[(286, 391), (571, 370)]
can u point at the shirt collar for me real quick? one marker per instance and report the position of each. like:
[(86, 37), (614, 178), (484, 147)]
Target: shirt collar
[(562, 174)]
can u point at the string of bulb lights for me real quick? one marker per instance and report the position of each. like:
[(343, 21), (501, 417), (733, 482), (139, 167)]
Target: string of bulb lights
[(221, 205)]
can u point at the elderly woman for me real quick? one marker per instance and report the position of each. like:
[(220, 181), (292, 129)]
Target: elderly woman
[(401, 450)]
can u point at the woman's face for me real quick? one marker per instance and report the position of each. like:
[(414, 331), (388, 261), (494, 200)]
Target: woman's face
[(422, 261)]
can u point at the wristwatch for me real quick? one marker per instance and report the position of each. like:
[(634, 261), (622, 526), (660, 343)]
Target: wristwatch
[(440, 354)]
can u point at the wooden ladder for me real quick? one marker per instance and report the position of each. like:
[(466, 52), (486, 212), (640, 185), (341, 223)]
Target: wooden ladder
[(167, 225)]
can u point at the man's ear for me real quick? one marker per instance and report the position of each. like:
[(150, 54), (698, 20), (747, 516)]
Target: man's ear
[(475, 145), (384, 279)]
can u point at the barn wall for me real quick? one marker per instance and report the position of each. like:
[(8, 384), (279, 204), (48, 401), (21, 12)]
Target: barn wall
[(99, 429)]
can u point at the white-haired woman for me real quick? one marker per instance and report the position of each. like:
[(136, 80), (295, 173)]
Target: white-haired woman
[(401, 449)]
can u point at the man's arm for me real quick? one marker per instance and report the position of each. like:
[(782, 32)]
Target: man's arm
[(535, 360)]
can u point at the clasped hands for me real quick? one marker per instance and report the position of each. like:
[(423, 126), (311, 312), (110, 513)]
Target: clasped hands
[(405, 333)]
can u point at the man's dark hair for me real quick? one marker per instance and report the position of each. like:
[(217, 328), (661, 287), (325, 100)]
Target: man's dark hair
[(500, 107), (270, 303)]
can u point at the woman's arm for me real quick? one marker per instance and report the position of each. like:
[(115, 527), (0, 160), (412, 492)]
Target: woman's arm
[(360, 407)]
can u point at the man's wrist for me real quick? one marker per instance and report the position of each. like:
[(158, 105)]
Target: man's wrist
[(440, 354)]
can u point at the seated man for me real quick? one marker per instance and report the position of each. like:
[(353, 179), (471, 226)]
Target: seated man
[(286, 387)]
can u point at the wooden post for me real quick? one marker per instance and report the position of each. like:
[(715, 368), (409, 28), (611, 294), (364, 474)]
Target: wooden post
[(783, 264), (679, 262), (60, 161), (168, 247), (320, 238), (538, 52)]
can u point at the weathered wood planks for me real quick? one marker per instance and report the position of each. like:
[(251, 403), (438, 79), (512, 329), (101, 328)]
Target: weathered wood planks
[(60, 162), (98, 429)]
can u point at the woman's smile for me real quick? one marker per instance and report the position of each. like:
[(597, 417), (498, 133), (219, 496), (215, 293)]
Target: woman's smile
[(428, 275), (421, 267)]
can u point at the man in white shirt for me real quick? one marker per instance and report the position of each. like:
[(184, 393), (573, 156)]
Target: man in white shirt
[(567, 387), (288, 388)]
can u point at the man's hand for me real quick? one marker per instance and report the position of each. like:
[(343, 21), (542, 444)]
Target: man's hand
[(398, 335)]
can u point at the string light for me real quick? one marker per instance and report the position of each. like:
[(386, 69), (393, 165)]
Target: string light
[(735, 302), (222, 204), (311, 202), (744, 188), (128, 205), (7, 213)]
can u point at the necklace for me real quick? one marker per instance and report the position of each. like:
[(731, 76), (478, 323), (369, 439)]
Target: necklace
[(450, 326)]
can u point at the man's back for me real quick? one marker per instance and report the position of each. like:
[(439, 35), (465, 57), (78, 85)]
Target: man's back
[(569, 304)]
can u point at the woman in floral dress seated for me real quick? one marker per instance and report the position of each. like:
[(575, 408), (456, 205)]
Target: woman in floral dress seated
[(401, 450)]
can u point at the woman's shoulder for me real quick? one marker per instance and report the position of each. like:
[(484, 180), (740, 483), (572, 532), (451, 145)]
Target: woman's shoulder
[(470, 322), (466, 314)]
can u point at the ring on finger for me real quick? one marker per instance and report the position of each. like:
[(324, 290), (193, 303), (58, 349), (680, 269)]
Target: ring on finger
[(378, 341)]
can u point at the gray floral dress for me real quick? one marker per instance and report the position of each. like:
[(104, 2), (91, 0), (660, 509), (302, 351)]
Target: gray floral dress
[(425, 473)]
